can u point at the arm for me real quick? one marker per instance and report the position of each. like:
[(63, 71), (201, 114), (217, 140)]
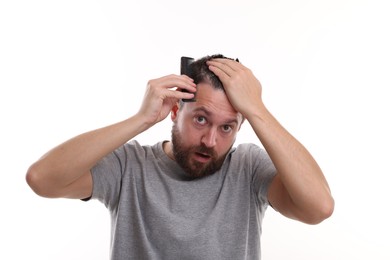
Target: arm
[(299, 190), (65, 170)]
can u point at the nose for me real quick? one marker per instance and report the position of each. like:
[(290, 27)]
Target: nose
[(209, 138)]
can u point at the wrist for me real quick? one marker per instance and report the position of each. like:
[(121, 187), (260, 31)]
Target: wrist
[(256, 112), (139, 123)]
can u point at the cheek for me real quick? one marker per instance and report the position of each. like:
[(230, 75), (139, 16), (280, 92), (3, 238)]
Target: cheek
[(187, 129), (189, 135), (225, 143), (223, 146), (193, 136)]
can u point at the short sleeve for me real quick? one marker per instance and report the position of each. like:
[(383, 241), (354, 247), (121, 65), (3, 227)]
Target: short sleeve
[(107, 178), (264, 172)]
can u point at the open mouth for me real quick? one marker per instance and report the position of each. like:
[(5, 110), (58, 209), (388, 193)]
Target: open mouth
[(202, 157)]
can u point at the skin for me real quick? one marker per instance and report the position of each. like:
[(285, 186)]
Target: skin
[(212, 123), (298, 191)]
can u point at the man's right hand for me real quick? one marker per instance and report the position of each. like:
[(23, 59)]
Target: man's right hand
[(162, 94)]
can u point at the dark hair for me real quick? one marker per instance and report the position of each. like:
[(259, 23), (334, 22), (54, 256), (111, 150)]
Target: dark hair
[(200, 71)]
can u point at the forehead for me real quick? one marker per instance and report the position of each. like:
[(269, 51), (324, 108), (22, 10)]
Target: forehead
[(214, 103)]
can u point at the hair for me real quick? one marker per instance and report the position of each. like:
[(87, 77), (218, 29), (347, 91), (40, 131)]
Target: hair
[(200, 72)]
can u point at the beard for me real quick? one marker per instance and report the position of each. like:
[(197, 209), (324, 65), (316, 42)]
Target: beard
[(193, 168)]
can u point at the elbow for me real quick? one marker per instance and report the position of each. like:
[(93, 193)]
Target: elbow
[(324, 211), (36, 181)]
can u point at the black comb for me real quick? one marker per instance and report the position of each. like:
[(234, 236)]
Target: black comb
[(185, 69)]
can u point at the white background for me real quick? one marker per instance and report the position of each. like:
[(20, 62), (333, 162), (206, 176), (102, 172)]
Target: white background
[(67, 67)]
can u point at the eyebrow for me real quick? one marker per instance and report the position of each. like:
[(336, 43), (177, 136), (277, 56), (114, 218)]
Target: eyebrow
[(202, 109), (208, 113)]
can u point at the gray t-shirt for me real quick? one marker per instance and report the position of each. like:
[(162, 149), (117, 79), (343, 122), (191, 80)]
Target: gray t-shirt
[(157, 212)]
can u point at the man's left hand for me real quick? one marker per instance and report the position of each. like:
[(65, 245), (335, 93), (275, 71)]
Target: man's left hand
[(241, 86)]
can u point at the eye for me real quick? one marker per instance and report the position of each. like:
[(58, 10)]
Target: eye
[(227, 128), (201, 120)]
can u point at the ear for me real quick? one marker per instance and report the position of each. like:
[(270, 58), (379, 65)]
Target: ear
[(174, 111)]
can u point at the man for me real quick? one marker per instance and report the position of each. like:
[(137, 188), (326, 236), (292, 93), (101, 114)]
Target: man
[(194, 197)]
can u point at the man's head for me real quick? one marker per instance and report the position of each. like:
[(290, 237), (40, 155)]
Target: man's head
[(204, 131)]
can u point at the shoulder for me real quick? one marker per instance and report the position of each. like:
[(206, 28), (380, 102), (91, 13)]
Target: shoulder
[(248, 150), (134, 148), (253, 157), (247, 155)]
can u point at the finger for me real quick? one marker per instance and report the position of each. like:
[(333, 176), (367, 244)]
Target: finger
[(222, 66), (171, 79), (221, 74), (176, 81), (227, 65), (232, 63), (177, 94)]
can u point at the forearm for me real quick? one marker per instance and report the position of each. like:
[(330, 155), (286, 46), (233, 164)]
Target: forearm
[(299, 173), (300, 189), (69, 161)]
